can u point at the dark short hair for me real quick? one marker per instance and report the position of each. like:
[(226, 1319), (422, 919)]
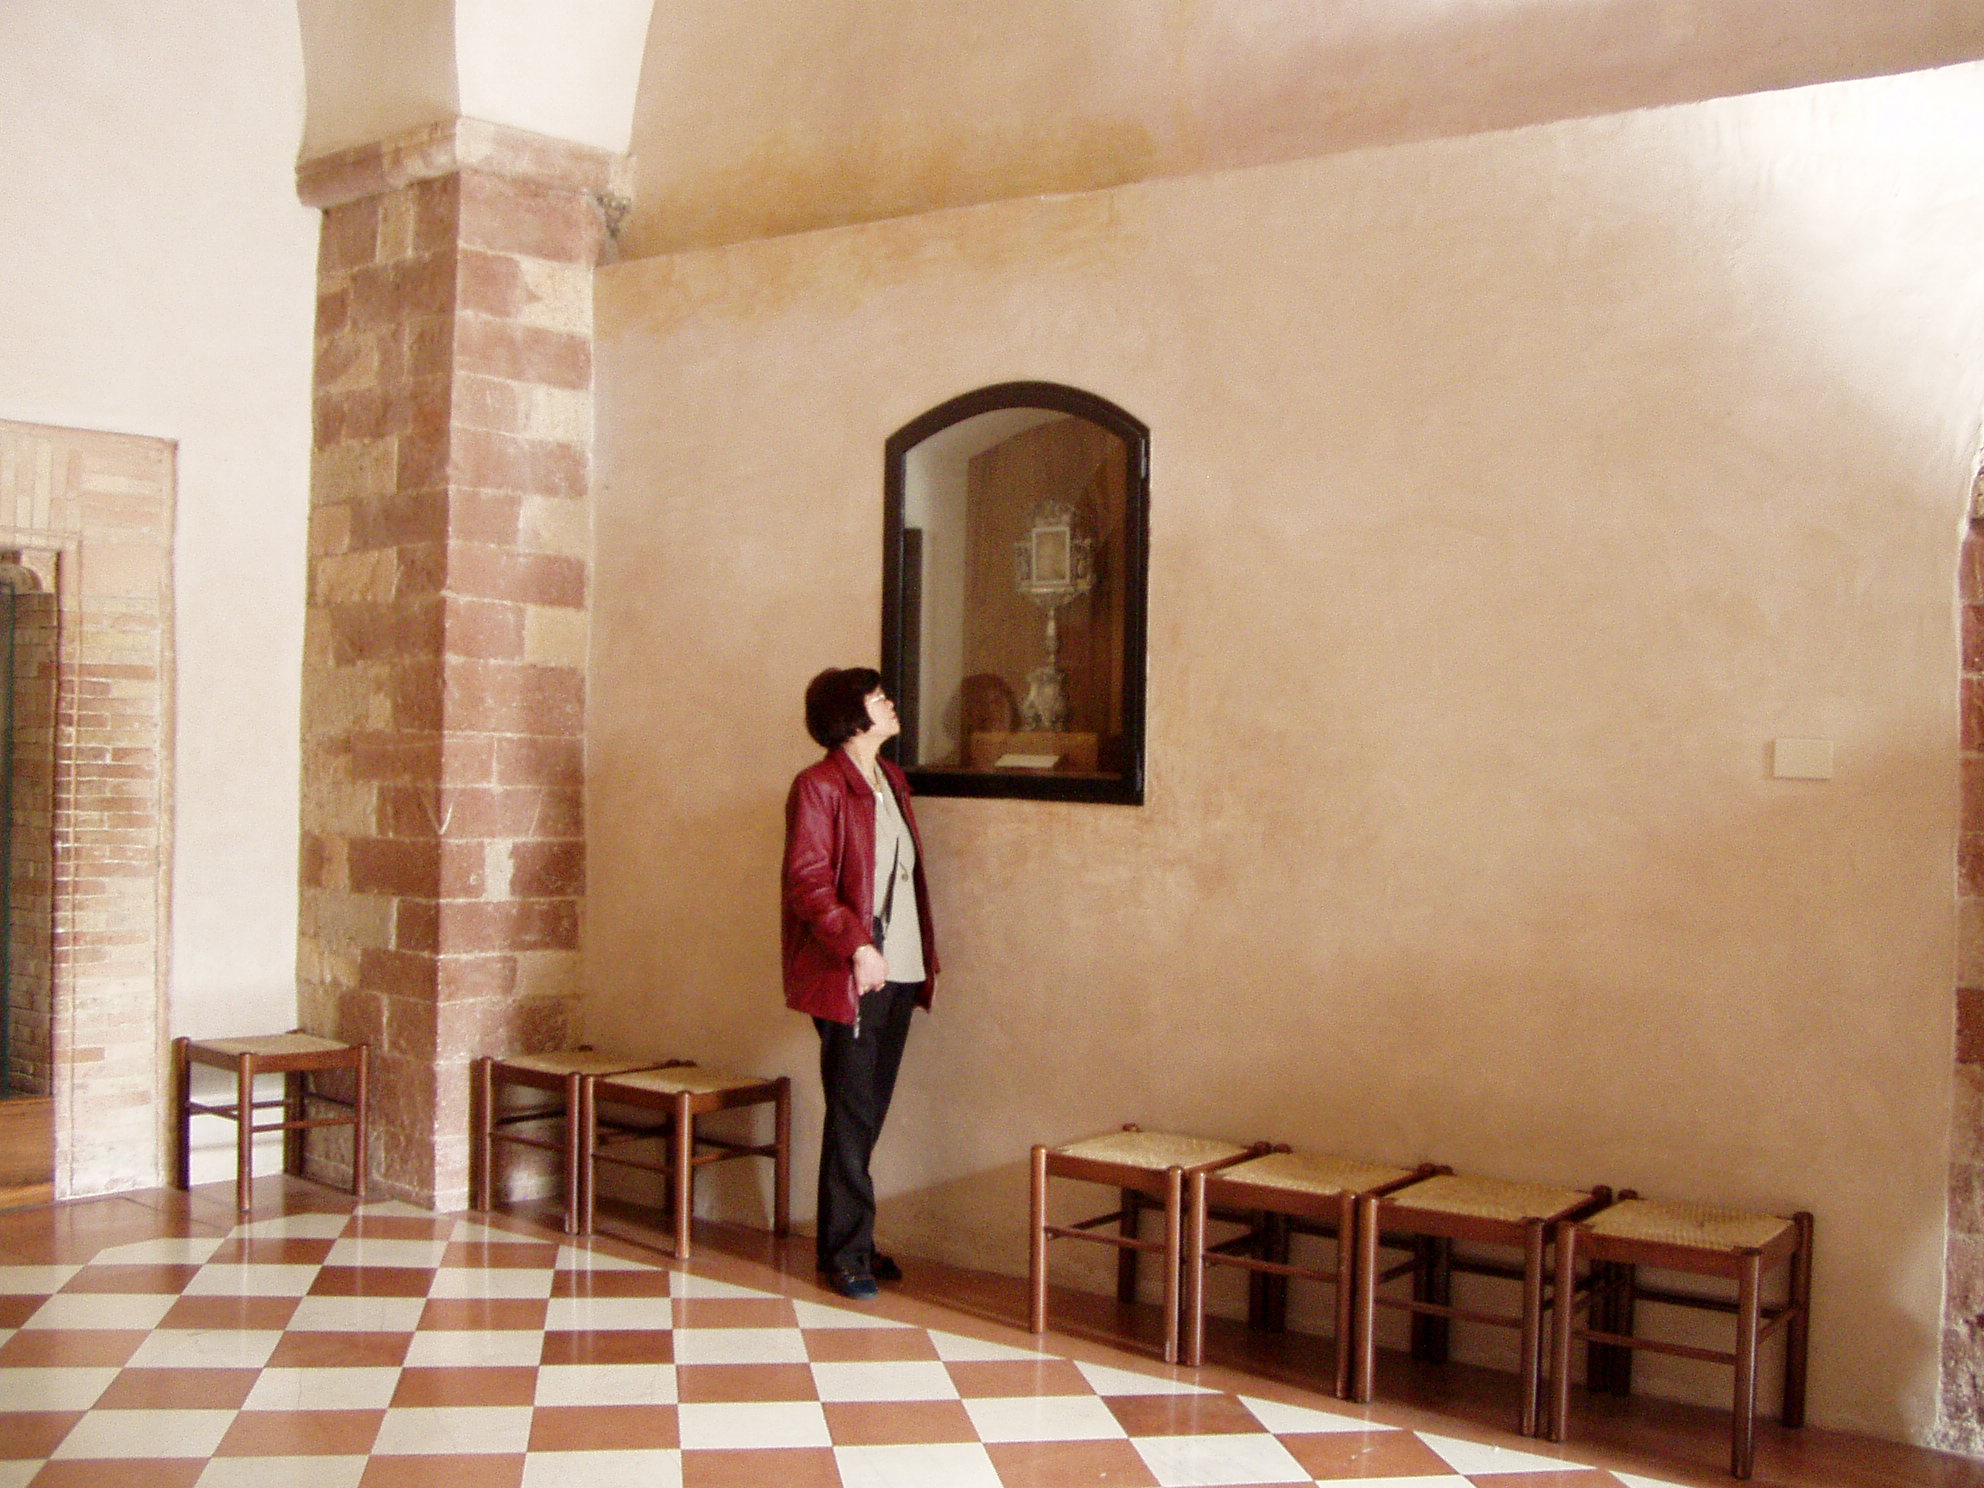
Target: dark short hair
[(837, 704)]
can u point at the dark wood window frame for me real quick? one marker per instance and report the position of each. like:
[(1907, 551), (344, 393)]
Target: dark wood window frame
[(899, 611)]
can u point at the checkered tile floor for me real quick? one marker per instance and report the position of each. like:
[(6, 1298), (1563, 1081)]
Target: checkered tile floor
[(388, 1346)]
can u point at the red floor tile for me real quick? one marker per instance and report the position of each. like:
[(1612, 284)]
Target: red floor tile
[(243, 1314), (487, 1471), (1002, 1378), (603, 1428), (372, 1281), (339, 1350), (733, 1312), (179, 1389), (870, 1423), (609, 1346), (775, 1467), (79, 1346), (700, 1383), (120, 1472), (494, 1386), (1365, 1454), (30, 1434), (331, 1433), (847, 1345), (1181, 1415), (1076, 1464)]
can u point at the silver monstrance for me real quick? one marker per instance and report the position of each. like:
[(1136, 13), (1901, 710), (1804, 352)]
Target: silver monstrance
[(1053, 564)]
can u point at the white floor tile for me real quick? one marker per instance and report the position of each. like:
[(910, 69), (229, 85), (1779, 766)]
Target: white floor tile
[(446, 1430), (1437, 1480), (492, 1281), (1107, 1381), (953, 1464), (19, 1474), (1468, 1458), (243, 1280), (124, 1310), (357, 1314), (571, 1258), (394, 1209), (52, 1389), (1192, 1461), (1634, 1480), (386, 1253), (606, 1384), (323, 1389), (609, 1314), (146, 1433), (34, 1281), (1299, 1418), (468, 1348), (206, 1348), (283, 1472), (683, 1284), (166, 1251), (884, 1379), (740, 1346), (955, 1348), (658, 1468), (752, 1423), (293, 1227), (815, 1315), (1024, 1418)]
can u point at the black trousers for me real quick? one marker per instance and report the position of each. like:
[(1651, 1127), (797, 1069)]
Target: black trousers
[(858, 1076)]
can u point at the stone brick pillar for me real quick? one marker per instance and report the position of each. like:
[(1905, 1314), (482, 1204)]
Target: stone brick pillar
[(1963, 1317), (444, 670)]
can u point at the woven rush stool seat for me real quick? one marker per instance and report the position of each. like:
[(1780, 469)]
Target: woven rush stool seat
[(1430, 1216), (561, 1074), (1275, 1196), (1729, 1244), (296, 1057), (1149, 1170), (682, 1091)]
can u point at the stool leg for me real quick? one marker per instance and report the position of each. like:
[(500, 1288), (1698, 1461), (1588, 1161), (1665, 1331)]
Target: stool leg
[(1563, 1318), (685, 1173), (782, 1159), (361, 1104), (480, 1120), (575, 1137), (294, 1105), (1036, 1308), (1797, 1331), (1346, 1270), (1625, 1311), (1743, 1428), (1126, 1257), (244, 1132), (1531, 1363), (1174, 1208), (1195, 1271), (582, 1152), (182, 1117), (1367, 1297)]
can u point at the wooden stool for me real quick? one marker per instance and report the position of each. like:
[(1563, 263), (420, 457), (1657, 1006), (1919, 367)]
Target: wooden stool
[(1143, 1165), (1282, 1193), (563, 1074), (685, 1090), (294, 1056), (1725, 1243), (1433, 1214)]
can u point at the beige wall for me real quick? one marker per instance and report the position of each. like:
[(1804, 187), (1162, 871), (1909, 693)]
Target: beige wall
[(1509, 496), (157, 277)]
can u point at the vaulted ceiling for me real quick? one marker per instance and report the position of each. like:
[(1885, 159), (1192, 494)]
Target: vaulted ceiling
[(761, 117)]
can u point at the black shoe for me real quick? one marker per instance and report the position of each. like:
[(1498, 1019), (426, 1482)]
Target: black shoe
[(884, 1268), (856, 1286)]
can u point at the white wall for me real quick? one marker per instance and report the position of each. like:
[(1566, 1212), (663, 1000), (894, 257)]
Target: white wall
[(157, 276)]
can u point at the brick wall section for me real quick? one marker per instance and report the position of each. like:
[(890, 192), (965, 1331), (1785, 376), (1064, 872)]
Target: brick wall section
[(1963, 1320), (443, 860), (94, 513)]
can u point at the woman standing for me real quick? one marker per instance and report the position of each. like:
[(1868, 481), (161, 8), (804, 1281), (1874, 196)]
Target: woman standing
[(858, 949)]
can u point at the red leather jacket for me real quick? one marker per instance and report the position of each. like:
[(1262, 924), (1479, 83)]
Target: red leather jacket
[(829, 879)]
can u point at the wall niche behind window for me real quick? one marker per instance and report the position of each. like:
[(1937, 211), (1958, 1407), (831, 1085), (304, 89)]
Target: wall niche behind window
[(1013, 595)]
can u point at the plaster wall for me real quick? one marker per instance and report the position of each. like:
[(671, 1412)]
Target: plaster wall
[(762, 117), (1509, 496), (157, 277)]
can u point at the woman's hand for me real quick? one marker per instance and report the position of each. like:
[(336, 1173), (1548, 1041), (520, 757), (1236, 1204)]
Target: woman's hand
[(871, 970)]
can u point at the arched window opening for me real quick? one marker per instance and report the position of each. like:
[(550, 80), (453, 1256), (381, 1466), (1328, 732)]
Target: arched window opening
[(1013, 610)]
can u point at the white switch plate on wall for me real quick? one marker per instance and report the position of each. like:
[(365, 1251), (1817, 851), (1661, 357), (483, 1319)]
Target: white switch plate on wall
[(1801, 759)]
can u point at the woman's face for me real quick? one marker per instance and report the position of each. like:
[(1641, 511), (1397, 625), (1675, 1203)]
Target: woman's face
[(882, 720)]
